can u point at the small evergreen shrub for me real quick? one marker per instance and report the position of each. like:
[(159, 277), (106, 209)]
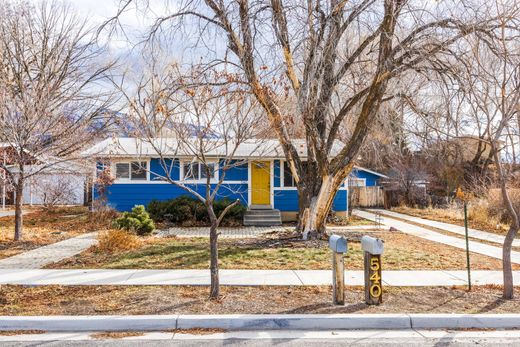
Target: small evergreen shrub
[(138, 221), (188, 211)]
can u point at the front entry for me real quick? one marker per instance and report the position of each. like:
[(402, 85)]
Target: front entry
[(260, 183)]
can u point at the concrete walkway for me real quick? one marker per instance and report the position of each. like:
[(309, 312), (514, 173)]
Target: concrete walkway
[(411, 229), (7, 213), (39, 257), (240, 277), (456, 229)]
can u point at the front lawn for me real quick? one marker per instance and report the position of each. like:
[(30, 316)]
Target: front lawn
[(402, 252), (142, 300), (43, 227)]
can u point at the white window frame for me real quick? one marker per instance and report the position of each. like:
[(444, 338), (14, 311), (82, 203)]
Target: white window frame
[(199, 179), (363, 180), (282, 178), (129, 162)]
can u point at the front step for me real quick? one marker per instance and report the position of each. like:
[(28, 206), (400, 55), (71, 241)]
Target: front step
[(262, 217)]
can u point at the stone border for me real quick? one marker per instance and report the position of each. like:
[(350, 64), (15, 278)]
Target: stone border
[(262, 322)]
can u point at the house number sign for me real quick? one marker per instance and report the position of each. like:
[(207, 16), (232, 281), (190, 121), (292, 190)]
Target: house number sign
[(373, 248)]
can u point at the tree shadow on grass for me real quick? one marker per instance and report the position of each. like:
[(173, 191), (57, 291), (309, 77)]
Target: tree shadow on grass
[(492, 305), (195, 255)]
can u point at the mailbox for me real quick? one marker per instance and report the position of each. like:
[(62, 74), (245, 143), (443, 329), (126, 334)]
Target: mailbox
[(338, 244), (372, 245)]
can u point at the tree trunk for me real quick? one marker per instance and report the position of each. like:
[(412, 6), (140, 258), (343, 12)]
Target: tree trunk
[(214, 291), (315, 201), (506, 263), (215, 285), (18, 216)]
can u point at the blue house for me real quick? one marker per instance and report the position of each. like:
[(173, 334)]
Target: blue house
[(260, 177)]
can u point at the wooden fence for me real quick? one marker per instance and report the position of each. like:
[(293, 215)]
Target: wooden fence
[(366, 197)]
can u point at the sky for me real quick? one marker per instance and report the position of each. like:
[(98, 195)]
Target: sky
[(133, 21)]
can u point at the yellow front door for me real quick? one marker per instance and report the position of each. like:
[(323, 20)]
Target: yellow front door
[(260, 183)]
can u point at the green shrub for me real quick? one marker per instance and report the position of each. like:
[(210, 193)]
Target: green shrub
[(186, 211), (138, 221)]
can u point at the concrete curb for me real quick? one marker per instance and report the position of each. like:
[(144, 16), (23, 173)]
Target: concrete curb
[(262, 322), (465, 321), (295, 322), (89, 323)]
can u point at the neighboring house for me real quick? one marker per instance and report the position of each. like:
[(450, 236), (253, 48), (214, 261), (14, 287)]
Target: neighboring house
[(261, 180), (61, 183), (465, 148)]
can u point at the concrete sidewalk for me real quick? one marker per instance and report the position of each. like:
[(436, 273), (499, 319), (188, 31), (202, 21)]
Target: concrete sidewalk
[(456, 229), (418, 278), (414, 230), (52, 253)]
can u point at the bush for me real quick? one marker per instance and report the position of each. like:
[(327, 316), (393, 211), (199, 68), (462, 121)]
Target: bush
[(137, 221), (117, 240), (102, 217), (187, 211)]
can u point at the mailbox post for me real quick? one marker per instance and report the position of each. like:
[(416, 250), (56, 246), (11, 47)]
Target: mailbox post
[(373, 248), (338, 245)]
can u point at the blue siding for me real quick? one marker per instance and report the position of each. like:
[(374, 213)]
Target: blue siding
[(123, 197), (287, 200), (371, 179), (237, 173), (159, 168)]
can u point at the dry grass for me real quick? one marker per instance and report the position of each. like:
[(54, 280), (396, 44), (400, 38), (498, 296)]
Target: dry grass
[(115, 334), (43, 227), (114, 240), (350, 221), (402, 252), (134, 300), (21, 332), (124, 334), (199, 331), (478, 217)]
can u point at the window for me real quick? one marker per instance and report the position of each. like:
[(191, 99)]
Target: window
[(288, 179), (123, 170), (134, 171), (356, 182), (196, 171), (138, 171)]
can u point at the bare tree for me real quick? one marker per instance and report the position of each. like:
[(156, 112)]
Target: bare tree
[(493, 86), (190, 116), (335, 59), (50, 89), (485, 107)]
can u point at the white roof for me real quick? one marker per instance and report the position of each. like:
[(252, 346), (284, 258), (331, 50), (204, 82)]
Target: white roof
[(124, 147), (130, 147)]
